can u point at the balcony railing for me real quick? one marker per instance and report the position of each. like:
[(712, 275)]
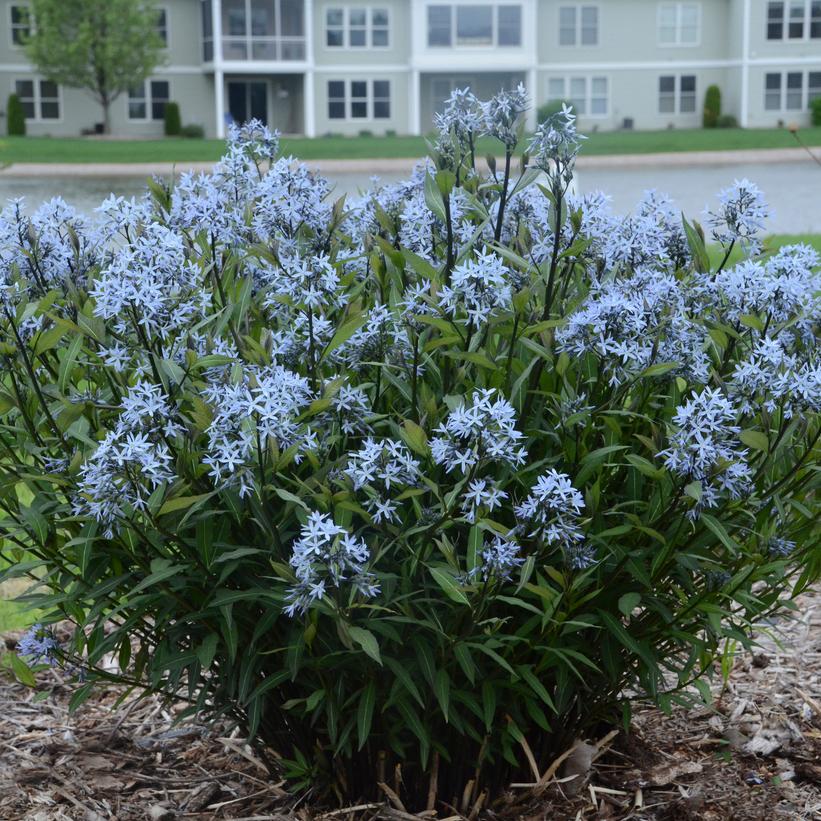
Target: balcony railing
[(256, 47)]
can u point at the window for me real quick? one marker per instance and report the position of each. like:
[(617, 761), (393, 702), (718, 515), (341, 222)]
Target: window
[(772, 92), (813, 86), (475, 25), (677, 94), (336, 100), (510, 25), (679, 24), (365, 27), (20, 23), (40, 99), (775, 21), (795, 28), (439, 25), (162, 26), (263, 29), (794, 20), (791, 90), (359, 99), (148, 98), (588, 95), (578, 25)]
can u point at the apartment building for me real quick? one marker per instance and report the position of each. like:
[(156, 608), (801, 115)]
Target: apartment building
[(346, 66)]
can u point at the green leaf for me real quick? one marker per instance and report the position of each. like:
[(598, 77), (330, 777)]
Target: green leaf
[(628, 603), (21, 671), (207, 650), (718, 529), (755, 439), (694, 490), (695, 239), (465, 660), (448, 584), (433, 198), (413, 723), (475, 541), (415, 437), (364, 712), (533, 682), (367, 641), (660, 368), (405, 679), (441, 689), (182, 503), (488, 703), (344, 333)]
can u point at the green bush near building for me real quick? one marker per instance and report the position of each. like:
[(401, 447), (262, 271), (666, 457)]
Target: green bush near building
[(173, 123), (15, 117), (712, 107), (815, 108)]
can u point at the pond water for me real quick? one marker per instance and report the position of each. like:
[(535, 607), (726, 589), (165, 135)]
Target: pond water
[(793, 190)]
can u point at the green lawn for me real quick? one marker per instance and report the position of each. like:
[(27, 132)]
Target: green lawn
[(68, 150)]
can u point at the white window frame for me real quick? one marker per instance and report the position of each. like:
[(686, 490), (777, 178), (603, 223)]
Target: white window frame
[(787, 6), (783, 91), (369, 27), (15, 26), (494, 34), (566, 97), (164, 10), (38, 98), (370, 99), (149, 101), (679, 9), (577, 25), (677, 93)]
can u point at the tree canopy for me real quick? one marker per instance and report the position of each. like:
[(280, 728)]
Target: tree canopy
[(103, 46)]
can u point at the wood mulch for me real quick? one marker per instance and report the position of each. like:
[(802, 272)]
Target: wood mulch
[(754, 753)]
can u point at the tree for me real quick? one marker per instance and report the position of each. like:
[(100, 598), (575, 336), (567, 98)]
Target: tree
[(102, 46)]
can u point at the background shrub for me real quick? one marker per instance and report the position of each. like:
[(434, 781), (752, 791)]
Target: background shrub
[(549, 109), (439, 474), (712, 106), (15, 117), (192, 131), (815, 108), (727, 121), (173, 124)]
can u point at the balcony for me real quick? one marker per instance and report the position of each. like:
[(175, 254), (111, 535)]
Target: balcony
[(255, 30)]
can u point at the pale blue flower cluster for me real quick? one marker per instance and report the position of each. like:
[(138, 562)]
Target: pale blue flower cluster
[(477, 434), (382, 467), (552, 510), (132, 461), (740, 217), (249, 418), (326, 556), (705, 448), (480, 287), (39, 645)]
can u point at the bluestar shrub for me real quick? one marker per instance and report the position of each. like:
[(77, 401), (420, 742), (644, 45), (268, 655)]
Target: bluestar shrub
[(449, 472)]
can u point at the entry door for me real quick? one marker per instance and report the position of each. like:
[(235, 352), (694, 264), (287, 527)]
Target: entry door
[(248, 100)]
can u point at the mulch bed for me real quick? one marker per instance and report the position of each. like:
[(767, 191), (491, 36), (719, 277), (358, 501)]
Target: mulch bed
[(754, 753)]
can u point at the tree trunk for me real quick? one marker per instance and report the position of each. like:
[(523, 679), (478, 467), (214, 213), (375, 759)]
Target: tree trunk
[(106, 116)]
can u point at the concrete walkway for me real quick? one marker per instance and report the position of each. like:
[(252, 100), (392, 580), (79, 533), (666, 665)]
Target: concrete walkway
[(404, 166)]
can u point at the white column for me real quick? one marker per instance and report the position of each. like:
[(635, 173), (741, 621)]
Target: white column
[(532, 92), (415, 103), (309, 78), (745, 68), (309, 103), (219, 74)]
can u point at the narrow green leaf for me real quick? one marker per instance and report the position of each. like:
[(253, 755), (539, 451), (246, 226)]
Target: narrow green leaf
[(364, 712), (367, 641), (448, 585)]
